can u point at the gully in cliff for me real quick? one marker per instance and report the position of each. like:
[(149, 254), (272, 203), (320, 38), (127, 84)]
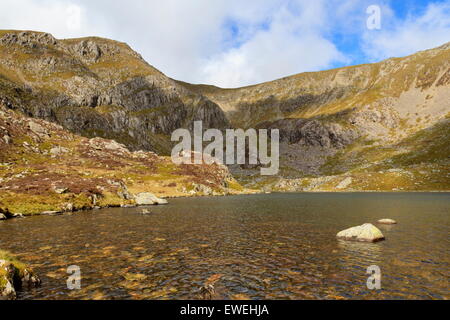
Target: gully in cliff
[(235, 147)]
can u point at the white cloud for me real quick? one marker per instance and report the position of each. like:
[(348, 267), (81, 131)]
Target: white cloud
[(289, 46), (192, 40), (62, 18), (187, 39), (417, 32)]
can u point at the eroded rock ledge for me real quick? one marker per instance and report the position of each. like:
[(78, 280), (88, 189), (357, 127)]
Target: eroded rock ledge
[(46, 169), (14, 276)]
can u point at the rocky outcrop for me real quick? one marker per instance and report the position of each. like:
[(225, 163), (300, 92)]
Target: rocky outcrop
[(146, 198), (88, 51), (37, 129), (364, 233), (28, 39), (305, 132), (354, 120), (327, 120), (344, 183), (47, 169), (98, 87), (376, 93), (15, 276)]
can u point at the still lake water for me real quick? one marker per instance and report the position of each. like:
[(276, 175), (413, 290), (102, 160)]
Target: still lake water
[(272, 246)]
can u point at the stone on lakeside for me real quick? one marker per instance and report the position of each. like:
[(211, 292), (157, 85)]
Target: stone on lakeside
[(147, 198)]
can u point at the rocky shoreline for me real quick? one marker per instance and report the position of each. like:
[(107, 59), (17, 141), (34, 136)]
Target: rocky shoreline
[(337, 132), (47, 170), (6, 215), (14, 276)]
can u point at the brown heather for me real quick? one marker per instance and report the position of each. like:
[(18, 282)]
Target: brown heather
[(382, 126)]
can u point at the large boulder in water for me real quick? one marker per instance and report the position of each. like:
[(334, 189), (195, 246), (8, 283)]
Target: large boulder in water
[(365, 233), (147, 198)]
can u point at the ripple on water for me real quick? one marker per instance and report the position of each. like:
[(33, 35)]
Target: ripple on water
[(278, 246)]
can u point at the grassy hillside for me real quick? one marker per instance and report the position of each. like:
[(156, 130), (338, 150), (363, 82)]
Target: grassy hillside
[(98, 87), (312, 94), (46, 168), (383, 125)]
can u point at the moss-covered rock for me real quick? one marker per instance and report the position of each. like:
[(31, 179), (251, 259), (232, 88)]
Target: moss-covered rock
[(4, 213), (14, 276), (48, 169)]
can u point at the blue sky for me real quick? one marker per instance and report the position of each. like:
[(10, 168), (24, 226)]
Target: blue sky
[(233, 43), (351, 44)]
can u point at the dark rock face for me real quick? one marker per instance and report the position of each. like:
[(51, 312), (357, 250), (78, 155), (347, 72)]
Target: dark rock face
[(316, 133), (5, 214), (136, 94), (313, 133), (99, 87), (102, 88)]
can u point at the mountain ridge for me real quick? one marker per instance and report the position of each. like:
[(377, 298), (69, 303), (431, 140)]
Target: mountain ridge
[(88, 73), (46, 169), (444, 46), (335, 125)]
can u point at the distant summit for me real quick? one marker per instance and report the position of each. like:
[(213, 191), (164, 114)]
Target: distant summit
[(381, 126)]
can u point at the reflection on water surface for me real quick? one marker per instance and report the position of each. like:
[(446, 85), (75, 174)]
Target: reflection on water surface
[(278, 246)]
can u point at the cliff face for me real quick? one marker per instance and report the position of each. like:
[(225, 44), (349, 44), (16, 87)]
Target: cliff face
[(382, 126), (44, 167), (356, 124), (98, 87)]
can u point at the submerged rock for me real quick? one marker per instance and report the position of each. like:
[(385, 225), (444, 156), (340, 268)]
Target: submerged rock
[(128, 206), (365, 233), (387, 221), (50, 213), (147, 198)]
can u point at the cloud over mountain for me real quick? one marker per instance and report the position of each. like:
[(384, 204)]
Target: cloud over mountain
[(233, 43)]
